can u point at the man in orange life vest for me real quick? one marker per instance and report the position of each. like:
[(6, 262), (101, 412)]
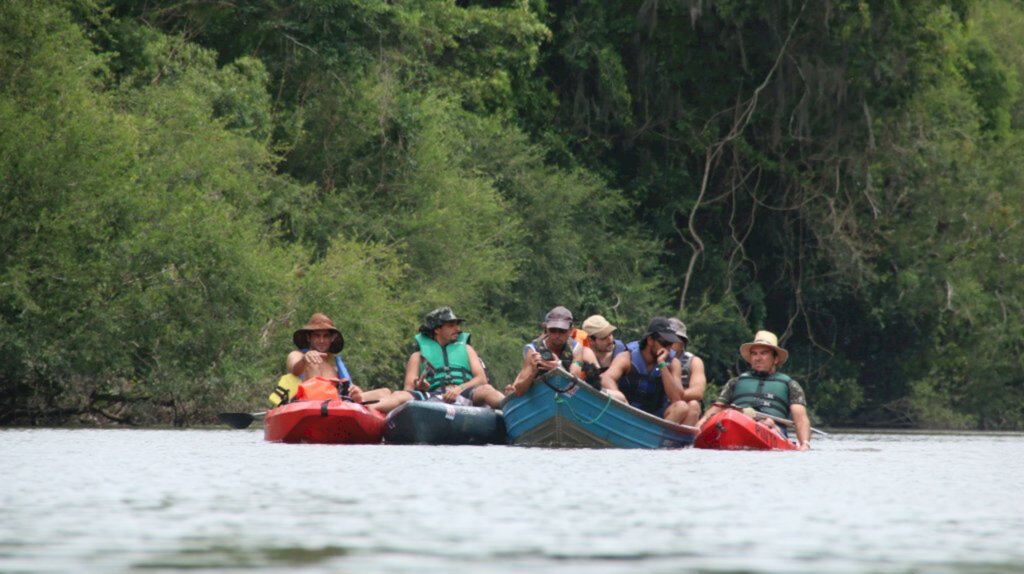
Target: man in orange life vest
[(318, 344)]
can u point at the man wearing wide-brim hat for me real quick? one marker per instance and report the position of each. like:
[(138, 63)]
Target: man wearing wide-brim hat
[(765, 389), (318, 346)]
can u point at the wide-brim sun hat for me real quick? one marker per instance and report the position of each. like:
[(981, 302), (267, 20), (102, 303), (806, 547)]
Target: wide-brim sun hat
[(318, 322), (764, 339)]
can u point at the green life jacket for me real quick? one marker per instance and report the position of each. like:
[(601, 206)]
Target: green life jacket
[(766, 394), (448, 365)]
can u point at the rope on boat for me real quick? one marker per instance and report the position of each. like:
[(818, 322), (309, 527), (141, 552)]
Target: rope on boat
[(560, 400)]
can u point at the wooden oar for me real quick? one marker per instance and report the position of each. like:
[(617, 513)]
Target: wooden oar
[(240, 420), (780, 420)]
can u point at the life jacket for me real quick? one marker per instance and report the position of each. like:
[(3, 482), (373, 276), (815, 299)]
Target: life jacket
[(619, 347), (288, 384), (686, 359), (565, 355), (448, 365), (768, 394), (644, 390), (318, 389)]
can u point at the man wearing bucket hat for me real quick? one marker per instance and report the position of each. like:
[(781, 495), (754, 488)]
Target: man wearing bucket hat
[(693, 378), (318, 345), (649, 375), (765, 389), (554, 348), (443, 366)]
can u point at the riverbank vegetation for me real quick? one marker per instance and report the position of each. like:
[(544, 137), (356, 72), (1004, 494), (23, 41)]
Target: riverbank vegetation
[(184, 183)]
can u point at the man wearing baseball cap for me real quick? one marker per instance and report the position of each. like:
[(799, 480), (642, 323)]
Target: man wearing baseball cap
[(649, 376), (765, 389), (602, 339), (553, 348)]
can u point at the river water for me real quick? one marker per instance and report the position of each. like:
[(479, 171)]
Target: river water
[(151, 501)]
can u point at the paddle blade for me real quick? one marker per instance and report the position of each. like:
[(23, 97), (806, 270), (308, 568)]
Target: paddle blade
[(236, 420)]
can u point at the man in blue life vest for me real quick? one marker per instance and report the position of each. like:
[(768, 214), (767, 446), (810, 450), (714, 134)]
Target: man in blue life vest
[(554, 348), (649, 376), (444, 367), (765, 389), (693, 378), (318, 344)]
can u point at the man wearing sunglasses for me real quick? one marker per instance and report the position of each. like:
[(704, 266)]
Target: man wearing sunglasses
[(554, 348), (649, 376)]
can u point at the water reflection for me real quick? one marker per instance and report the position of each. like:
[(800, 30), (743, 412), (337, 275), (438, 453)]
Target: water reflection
[(213, 500)]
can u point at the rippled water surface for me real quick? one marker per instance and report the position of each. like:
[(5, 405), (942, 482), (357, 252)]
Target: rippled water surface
[(224, 500)]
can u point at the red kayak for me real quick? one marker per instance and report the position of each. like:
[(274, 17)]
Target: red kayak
[(324, 422), (730, 429)]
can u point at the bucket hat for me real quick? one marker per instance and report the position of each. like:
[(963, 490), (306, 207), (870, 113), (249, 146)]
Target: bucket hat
[(440, 316)]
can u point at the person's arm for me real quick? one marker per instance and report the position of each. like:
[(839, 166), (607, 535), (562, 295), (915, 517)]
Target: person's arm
[(803, 425), (722, 402), (578, 356), (671, 378), (621, 365), (412, 372), (527, 373), (297, 360), (698, 382), (452, 392)]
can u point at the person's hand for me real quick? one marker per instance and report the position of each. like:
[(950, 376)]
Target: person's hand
[(421, 383), (355, 393), (451, 393), (510, 388), (662, 355), (313, 357)]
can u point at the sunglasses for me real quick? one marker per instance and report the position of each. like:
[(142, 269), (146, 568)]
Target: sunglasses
[(558, 331)]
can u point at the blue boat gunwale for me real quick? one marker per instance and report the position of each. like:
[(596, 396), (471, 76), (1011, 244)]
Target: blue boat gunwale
[(624, 408)]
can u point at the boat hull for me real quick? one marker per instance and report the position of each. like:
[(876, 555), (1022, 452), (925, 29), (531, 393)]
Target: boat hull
[(730, 429), (560, 411), (436, 422), (323, 422)]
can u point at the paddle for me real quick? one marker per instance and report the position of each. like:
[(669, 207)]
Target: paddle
[(240, 420), (780, 420)]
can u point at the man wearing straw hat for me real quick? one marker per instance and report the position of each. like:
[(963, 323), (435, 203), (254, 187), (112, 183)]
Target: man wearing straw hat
[(765, 389)]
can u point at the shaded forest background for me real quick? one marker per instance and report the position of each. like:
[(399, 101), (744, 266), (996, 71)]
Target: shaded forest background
[(182, 183)]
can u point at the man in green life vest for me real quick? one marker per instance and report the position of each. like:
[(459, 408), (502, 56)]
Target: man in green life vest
[(443, 366), (765, 389)]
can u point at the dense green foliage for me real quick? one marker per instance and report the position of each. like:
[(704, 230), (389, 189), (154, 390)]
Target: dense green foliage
[(184, 183)]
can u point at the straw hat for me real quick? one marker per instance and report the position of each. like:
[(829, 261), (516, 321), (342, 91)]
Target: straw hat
[(318, 322), (764, 339)]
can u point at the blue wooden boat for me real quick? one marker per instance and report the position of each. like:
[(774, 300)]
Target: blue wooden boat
[(436, 422), (561, 411)]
